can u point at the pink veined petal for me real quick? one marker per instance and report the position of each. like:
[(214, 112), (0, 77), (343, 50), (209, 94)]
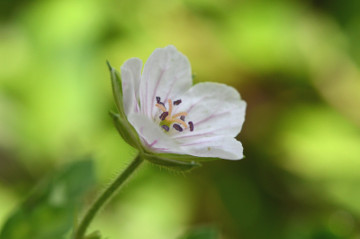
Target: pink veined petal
[(167, 74), (224, 147), (215, 109), (151, 134), (130, 77)]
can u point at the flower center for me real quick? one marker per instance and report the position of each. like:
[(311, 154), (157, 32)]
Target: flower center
[(177, 121)]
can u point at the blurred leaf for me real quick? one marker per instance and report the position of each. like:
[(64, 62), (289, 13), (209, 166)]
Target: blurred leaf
[(49, 211), (202, 233)]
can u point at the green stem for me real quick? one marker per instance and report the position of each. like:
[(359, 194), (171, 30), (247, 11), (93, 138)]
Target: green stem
[(105, 196)]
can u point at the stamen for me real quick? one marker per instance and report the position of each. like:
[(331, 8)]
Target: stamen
[(179, 121), (165, 127), (158, 101), (177, 127), (191, 125), (164, 115), (170, 106), (177, 102), (179, 114), (161, 107)]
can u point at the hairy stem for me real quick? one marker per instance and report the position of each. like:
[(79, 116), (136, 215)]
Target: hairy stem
[(105, 196)]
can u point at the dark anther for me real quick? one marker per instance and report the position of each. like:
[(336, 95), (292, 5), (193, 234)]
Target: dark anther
[(177, 127), (191, 125), (182, 117), (158, 101), (165, 127), (164, 115), (177, 102)]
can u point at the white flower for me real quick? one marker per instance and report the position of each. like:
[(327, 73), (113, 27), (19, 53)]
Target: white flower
[(172, 116)]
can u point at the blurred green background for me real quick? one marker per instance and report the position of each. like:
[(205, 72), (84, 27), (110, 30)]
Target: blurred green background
[(295, 62)]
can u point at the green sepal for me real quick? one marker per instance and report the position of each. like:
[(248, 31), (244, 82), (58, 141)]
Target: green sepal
[(126, 130), (94, 235), (170, 163), (186, 157), (117, 89)]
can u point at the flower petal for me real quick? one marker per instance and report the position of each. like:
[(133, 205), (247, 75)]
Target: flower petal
[(153, 137), (214, 109), (167, 74), (215, 147), (130, 77)]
